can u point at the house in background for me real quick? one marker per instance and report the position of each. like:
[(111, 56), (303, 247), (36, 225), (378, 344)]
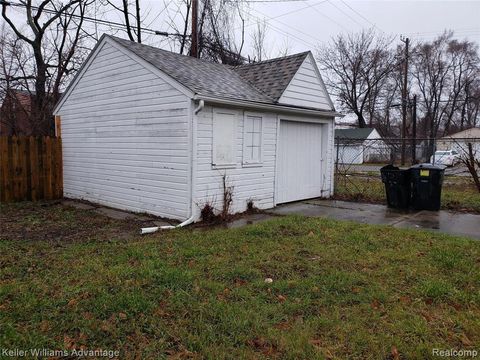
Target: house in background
[(148, 130), (16, 115), (459, 141), (360, 145)]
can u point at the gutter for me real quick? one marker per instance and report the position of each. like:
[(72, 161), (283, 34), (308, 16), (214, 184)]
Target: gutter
[(265, 106), (191, 219)]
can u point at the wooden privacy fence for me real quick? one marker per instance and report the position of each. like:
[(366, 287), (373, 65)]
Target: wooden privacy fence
[(31, 168)]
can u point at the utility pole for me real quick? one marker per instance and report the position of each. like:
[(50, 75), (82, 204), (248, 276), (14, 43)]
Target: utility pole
[(414, 130), (404, 99), (194, 47)]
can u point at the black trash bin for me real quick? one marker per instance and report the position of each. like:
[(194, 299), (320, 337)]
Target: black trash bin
[(427, 182), (397, 186)]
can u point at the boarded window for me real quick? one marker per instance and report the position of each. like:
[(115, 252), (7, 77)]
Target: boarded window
[(223, 139), (252, 140)]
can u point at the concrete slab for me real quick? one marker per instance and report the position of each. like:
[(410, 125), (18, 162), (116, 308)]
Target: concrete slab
[(78, 205), (114, 214), (443, 221)]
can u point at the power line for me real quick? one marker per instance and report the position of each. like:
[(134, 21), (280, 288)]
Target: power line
[(329, 18), (116, 25), (287, 25), (455, 34), (277, 29), (475, 29), (298, 10), (344, 12), (363, 17)]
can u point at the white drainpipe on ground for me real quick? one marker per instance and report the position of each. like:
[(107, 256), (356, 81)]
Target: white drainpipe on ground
[(149, 230)]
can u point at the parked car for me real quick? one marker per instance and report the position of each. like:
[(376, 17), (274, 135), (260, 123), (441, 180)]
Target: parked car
[(445, 157)]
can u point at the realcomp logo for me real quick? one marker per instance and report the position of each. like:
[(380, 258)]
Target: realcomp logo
[(461, 353)]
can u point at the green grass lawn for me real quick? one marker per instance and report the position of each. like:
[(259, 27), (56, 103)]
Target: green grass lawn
[(72, 279), (457, 193)]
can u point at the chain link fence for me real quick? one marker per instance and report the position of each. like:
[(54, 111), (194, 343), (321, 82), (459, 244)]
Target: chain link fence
[(358, 163)]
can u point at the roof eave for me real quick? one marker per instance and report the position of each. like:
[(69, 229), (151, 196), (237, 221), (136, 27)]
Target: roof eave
[(266, 106)]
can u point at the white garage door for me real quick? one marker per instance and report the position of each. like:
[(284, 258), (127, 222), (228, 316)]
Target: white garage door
[(299, 163)]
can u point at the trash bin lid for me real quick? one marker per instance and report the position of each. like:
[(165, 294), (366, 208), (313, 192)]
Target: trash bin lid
[(428, 166), (389, 167), (392, 167)]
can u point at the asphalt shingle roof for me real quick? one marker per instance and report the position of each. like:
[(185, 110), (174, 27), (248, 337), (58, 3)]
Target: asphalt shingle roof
[(260, 82), (272, 76)]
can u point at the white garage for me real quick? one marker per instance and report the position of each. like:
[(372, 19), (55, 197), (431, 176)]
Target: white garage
[(360, 145), (148, 130)]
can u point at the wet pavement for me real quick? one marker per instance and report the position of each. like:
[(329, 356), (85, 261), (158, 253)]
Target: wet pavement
[(444, 221)]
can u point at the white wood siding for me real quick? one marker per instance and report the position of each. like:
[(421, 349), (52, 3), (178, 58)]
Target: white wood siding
[(249, 182), (255, 182), (126, 138), (306, 88)]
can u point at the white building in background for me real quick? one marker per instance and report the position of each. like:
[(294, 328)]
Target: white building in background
[(360, 145), (459, 141)]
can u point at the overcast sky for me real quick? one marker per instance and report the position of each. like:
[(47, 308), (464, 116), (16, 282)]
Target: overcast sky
[(415, 19), (304, 24)]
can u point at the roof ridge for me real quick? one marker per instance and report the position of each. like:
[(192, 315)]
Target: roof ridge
[(170, 52), (271, 60)]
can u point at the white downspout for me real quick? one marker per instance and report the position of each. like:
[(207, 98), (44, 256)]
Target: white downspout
[(149, 230)]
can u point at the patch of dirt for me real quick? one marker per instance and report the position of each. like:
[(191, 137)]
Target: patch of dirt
[(264, 346), (59, 223)]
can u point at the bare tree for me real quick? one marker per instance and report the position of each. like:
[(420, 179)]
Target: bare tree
[(216, 36), (183, 39), (469, 156), (14, 62), (356, 67), (258, 39), (444, 71), (134, 31), (50, 57), (470, 113), (285, 48)]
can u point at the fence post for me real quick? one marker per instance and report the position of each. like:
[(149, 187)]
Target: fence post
[(414, 130), (338, 148), (58, 126)]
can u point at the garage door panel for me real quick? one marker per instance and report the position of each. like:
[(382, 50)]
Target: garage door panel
[(299, 163)]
